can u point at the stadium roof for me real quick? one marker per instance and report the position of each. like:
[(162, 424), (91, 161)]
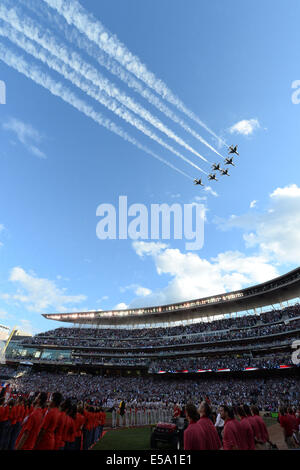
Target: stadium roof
[(272, 292)]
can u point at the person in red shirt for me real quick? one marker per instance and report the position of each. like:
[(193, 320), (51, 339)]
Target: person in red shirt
[(60, 428), (264, 435), (86, 427), (79, 421), (31, 425), (28, 407), (16, 423), (247, 431), (212, 440), (30, 410), (232, 433), (293, 419), (193, 437), (254, 425), (288, 427), (93, 425), (89, 425), (4, 423), (102, 421), (11, 416), (70, 428), (21, 414), (96, 425), (46, 438)]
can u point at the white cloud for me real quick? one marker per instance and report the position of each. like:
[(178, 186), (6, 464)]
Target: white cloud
[(121, 306), (148, 248), (39, 294), (26, 135), (138, 290), (253, 204), (245, 127), (292, 191), (142, 291), (275, 233), (25, 326), (193, 277)]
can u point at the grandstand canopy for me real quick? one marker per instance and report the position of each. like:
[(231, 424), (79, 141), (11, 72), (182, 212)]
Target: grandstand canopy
[(272, 292)]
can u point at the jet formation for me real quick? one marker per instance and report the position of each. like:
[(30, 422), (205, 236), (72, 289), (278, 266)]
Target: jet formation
[(232, 150)]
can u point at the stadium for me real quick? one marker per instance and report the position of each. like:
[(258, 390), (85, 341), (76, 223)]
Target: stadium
[(230, 348)]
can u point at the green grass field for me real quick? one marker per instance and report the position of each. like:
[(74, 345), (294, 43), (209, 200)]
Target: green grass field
[(125, 439)]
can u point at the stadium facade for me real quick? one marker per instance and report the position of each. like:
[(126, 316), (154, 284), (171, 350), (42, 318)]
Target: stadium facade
[(248, 331), (276, 291)]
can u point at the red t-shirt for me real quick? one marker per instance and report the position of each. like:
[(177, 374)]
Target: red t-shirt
[(32, 424), (13, 415), (262, 428), (103, 418), (21, 413), (287, 425), (293, 420), (70, 429), (90, 421), (49, 425), (194, 437), (212, 440), (232, 437), (247, 434), (256, 429), (4, 412), (86, 419), (59, 431), (79, 423)]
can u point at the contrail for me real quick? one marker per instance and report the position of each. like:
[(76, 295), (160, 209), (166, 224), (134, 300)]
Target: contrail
[(60, 67), (87, 24), (82, 42), (58, 89), (26, 26)]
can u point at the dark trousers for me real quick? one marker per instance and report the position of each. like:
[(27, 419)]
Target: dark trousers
[(15, 430), (85, 439), (5, 438), (2, 424), (78, 443), (70, 446)]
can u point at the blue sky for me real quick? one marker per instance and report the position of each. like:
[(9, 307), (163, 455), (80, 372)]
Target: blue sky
[(232, 64)]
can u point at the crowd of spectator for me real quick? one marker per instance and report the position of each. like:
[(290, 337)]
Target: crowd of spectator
[(270, 361), (229, 329), (267, 393)]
